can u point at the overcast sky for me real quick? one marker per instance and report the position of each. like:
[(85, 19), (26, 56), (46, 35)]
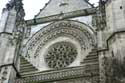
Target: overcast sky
[(32, 7)]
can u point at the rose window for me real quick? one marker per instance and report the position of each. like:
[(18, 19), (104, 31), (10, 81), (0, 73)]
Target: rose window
[(61, 55)]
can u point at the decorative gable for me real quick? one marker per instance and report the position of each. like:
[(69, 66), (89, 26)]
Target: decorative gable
[(54, 7)]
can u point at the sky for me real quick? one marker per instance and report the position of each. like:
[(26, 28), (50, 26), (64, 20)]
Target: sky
[(32, 7)]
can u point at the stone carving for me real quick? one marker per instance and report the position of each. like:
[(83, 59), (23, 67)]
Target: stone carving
[(61, 55), (21, 31), (71, 29), (77, 72), (4, 73), (62, 32)]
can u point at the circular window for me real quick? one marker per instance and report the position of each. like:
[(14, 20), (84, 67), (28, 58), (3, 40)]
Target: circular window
[(61, 55)]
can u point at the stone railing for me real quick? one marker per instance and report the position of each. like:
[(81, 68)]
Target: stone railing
[(68, 73)]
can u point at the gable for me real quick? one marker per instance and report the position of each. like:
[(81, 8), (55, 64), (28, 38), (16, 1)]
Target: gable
[(55, 7)]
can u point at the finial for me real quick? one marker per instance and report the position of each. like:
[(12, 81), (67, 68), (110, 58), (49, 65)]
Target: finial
[(18, 5)]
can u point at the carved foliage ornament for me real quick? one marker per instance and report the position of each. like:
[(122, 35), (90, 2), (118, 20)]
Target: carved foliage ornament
[(57, 75), (60, 55), (71, 29)]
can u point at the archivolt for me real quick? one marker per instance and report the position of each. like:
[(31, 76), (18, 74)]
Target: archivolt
[(72, 29)]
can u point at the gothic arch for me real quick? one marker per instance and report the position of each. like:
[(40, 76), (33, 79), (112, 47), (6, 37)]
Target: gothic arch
[(79, 34)]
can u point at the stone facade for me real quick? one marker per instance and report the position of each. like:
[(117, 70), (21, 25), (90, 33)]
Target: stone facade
[(68, 41)]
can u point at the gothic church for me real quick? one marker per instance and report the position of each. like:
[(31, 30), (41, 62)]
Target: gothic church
[(68, 41)]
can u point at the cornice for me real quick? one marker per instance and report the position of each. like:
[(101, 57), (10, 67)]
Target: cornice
[(68, 73), (84, 12)]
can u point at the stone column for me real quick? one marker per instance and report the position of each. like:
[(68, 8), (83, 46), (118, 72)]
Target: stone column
[(12, 14)]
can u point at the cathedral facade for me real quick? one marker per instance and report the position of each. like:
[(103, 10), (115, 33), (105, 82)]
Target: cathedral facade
[(68, 41)]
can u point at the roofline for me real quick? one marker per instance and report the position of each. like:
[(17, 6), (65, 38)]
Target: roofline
[(87, 1), (42, 8)]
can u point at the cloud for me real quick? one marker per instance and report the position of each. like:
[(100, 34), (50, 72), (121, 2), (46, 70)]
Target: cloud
[(33, 7), (2, 5)]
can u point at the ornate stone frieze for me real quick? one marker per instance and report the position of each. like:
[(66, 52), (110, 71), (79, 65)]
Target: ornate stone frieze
[(77, 80), (74, 30), (70, 73), (62, 32)]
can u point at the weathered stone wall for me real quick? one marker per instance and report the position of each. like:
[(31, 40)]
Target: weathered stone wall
[(117, 47), (62, 6), (113, 38), (115, 17)]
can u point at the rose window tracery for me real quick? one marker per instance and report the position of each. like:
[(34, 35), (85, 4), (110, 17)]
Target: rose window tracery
[(61, 55)]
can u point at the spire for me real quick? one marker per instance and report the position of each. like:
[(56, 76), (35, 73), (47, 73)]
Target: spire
[(18, 5), (13, 14)]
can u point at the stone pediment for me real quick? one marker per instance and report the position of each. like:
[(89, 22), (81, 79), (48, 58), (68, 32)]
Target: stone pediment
[(54, 7)]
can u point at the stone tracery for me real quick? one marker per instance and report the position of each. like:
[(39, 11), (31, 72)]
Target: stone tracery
[(73, 30), (55, 30), (61, 55)]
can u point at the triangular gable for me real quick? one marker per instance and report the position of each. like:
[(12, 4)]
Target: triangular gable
[(54, 7)]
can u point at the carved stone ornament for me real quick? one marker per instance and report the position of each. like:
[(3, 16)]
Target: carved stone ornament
[(73, 30), (18, 6), (61, 55), (65, 74)]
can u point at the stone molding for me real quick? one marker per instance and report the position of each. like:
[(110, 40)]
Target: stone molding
[(84, 72), (72, 29), (78, 13)]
